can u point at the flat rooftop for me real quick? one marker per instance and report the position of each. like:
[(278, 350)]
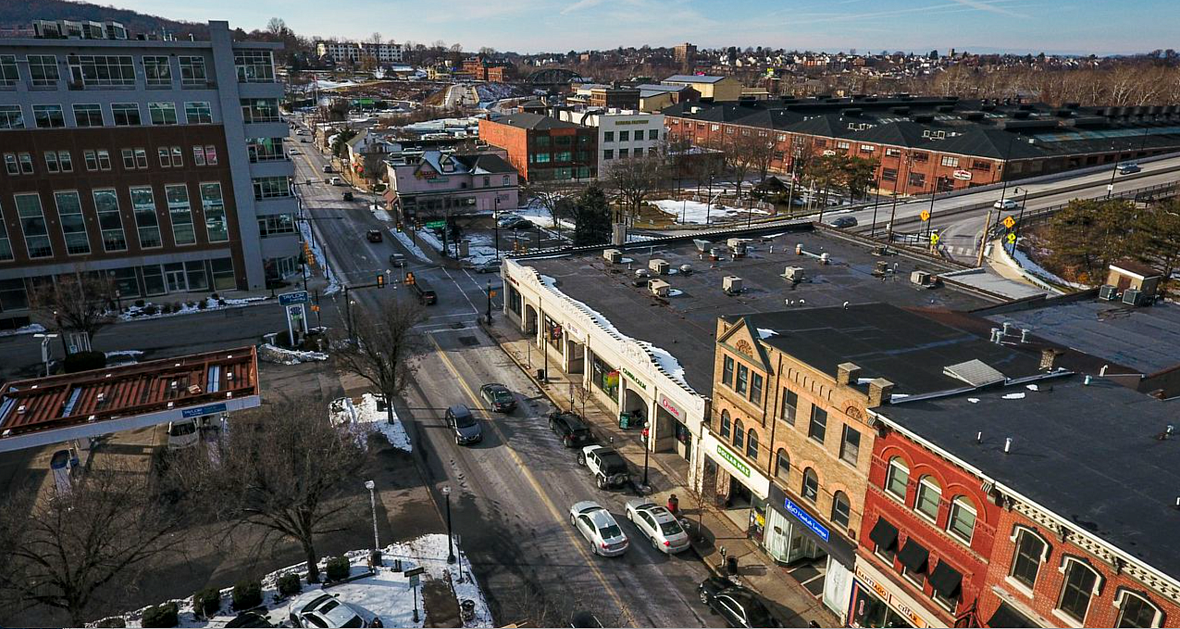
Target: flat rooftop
[(1146, 339), (1091, 454), (684, 324)]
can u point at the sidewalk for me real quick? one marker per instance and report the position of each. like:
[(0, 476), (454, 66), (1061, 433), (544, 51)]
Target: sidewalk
[(667, 473)]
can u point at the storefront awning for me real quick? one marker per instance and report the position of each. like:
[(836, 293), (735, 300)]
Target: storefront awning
[(914, 556), (946, 580), (1006, 616), (884, 534)]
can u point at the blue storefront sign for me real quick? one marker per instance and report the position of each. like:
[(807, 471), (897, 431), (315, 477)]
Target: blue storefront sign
[(803, 516), (198, 411), (290, 299)]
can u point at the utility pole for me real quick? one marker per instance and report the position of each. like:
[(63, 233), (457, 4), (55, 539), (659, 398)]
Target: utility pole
[(987, 225)]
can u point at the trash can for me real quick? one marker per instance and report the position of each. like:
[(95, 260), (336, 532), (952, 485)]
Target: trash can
[(731, 566), (467, 609), (541, 375)]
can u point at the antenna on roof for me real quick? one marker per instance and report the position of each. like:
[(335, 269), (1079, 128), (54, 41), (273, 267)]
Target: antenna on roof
[(1007, 445), (979, 437)]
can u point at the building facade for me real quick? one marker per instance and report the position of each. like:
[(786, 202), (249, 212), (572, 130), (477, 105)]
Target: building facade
[(433, 183), (159, 162), (345, 51), (542, 148), (622, 134), (716, 89)]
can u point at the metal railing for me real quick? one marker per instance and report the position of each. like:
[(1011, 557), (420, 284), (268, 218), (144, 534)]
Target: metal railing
[(1141, 195)]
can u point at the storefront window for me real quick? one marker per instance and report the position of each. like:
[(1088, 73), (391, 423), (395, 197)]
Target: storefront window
[(514, 300), (605, 378), (553, 333), (870, 611)]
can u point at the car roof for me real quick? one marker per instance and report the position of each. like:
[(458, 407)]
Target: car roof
[(572, 420), (494, 386), (602, 518), (459, 409), (338, 614)]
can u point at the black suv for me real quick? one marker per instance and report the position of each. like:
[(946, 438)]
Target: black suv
[(570, 428), (740, 606), (464, 424)]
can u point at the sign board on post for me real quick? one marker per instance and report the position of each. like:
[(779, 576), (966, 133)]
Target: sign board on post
[(290, 299), (199, 411), (435, 225)]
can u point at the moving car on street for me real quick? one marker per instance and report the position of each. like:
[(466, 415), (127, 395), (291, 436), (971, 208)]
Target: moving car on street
[(740, 606), (464, 425), (609, 469), (317, 609), (599, 527), (374, 235), (1127, 168), (498, 397), (844, 222), (1006, 204), (658, 525), (570, 428)]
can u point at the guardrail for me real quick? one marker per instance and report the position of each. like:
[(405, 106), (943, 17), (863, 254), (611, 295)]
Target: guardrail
[(1146, 193)]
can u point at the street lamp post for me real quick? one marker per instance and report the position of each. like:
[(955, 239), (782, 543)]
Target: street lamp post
[(489, 312), (646, 438), (46, 352), (446, 490), (371, 486), (496, 227)]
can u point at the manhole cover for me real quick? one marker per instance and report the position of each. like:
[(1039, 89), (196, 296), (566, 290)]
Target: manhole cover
[(469, 341)]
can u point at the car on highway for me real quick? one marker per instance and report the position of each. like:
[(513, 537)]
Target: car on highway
[(374, 235), (327, 168), (599, 527), (570, 428), (292, 152), (608, 468), (739, 606), (1127, 168), (844, 222), (335, 181), (1006, 204), (658, 525), (317, 609), (397, 260), (464, 425), (498, 397)]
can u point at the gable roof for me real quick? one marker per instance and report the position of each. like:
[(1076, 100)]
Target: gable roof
[(983, 142), (485, 163)]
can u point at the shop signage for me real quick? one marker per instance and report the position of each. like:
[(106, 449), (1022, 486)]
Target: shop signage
[(199, 411), (290, 299), (803, 516), (962, 175), (893, 601), (633, 379), (733, 460), (667, 405)]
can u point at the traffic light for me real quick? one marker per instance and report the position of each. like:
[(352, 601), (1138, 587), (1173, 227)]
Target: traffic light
[(409, 278), (380, 280)]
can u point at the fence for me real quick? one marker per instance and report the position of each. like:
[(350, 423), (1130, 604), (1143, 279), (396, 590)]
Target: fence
[(1139, 195)]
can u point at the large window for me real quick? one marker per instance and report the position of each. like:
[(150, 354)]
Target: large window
[(254, 66), (192, 71), (1136, 611), (88, 115), (790, 406), (841, 509), (143, 202), (810, 485), (752, 444), (260, 110), (198, 112), (5, 247), (739, 434), (11, 117), (756, 388), (265, 149), (929, 496), (223, 274), (180, 212), (102, 70), (275, 225), (727, 371), (43, 70), (1030, 552), (897, 478), (106, 203), (850, 445), (818, 428), (271, 187), (49, 116), (162, 113), (73, 225), (743, 379), (1080, 580), (214, 208), (32, 223), (962, 520), (782, 465), (726, 428), (126, 114), (157, 71), (8, 73)]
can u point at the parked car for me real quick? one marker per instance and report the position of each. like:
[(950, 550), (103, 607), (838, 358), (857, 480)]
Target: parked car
[(1126, 168), (328, 169), (374, 235), (844, 222), (598, 526), (570, 428), (609, 469), (464, 424), (1006, 204), (317, 609), (397, 260), (348, 196), (249, 619), (335, 181), (658, 525), (487, 266), (182, 434), (498, 397), (512, 221), (740, 606)]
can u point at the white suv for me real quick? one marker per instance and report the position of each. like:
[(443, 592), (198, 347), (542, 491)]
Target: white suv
[(1006, 204)]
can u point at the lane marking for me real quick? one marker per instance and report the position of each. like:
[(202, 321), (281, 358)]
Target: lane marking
[(560, 516)]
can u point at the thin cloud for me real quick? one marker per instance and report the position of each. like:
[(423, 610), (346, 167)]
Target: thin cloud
[(581, 4), (991, 8)]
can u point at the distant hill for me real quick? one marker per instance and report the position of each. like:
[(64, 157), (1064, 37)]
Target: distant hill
[(19, 14)]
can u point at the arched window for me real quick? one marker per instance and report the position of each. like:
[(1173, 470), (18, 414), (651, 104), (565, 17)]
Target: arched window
[(929, 495), (962, 520), (752, 444), (1080, 584), (739, 434), (897, 478), (724, 424), (810, 485), (840, 509), (1030, 554), (1136, 611), (782, 465)]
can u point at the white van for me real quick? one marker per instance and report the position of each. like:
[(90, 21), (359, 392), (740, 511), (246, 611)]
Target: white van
[(182, 434), (335, 181)]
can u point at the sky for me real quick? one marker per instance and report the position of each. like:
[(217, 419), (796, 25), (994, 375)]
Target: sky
[(1099, 27)]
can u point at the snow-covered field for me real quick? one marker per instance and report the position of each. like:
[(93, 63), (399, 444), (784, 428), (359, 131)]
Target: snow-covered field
[(139, 313), (385, 593), (697, 212), (32, 328), (283, 356), (365, 418)]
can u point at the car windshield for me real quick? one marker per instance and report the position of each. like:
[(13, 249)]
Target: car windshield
[(503, 395), (355, 621), (315, 620), (610, 532), (178, 430), (464, 420), (671, 527)]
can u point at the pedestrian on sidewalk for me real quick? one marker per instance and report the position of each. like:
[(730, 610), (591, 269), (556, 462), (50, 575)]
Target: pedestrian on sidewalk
[(674, 505)]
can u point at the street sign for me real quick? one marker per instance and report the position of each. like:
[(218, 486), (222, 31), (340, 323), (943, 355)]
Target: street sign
[(1011, 237), (290, 299), (1009, 222), (414, 581), (435, 225), (413, 572), (925, 215)]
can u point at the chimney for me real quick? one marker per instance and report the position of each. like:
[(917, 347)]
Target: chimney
[(847, 374), (880, 390), (1049, 358)]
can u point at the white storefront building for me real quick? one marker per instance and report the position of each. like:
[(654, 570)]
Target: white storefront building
[(622, 133)]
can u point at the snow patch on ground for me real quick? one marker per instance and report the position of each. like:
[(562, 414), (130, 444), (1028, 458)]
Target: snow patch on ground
[(697, 212), (274, 354), (321, 261), (32, 328), (1014, 396), (139, 313), (409, 244), (539, 215), (365, 418), (1033, 268)]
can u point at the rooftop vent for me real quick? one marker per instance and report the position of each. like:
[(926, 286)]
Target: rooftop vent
[(794, 274), (974, 372), (686, 269)]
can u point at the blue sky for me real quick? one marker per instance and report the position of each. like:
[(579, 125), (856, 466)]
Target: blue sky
[(1065, 26)]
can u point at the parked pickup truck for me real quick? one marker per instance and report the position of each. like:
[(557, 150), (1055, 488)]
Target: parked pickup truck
[(609, 469)]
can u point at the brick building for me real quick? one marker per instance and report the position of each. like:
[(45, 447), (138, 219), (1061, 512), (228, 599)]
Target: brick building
[(480, 69), (542, 148)]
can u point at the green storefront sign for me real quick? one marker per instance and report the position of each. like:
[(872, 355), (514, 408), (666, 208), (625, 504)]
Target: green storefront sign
[(435, 225), (633, 378), (733, 460)]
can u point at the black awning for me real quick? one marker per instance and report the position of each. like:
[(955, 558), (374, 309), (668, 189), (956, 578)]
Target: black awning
[(946, 580), (884, 534), (914, 556), (1006, 616)]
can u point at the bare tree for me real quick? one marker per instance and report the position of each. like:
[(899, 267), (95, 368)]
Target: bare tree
[(554, 196), (78, 302), (60, 552), (634, 179), (743, 152), (385, 341)]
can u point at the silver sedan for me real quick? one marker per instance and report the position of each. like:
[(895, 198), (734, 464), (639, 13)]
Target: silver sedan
[(658, 525), (599, 527)]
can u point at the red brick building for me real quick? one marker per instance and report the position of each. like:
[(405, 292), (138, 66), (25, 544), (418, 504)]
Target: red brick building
[(542, 148), (480, 69)]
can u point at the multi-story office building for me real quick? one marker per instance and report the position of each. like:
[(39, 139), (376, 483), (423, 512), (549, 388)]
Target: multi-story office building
[(344, 51), (621, 133), (543, 148), (160, 162)]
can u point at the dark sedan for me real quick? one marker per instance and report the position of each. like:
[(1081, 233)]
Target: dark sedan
[(498, 397), (740, 606), (570, 428)]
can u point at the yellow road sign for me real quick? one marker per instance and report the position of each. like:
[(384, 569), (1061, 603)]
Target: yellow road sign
[(1009, 222), (925, 215), (1011, 237)]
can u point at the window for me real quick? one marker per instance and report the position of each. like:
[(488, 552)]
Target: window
[(141, 158), (725, 426), (195, 274), (128, 159), (1137, 611), (981, 165), (165, 157), (260, 110), (8, 73), (162, 113), (157, 71), (624, 136), (51, 161), (608, 136), (88, 115), (198, 112), (1080, 581), (782, 465), (929, 497), (921, 157), (889, 174), (623, 153), (214, 208), (850, 445), (192, 71), (867, 148), (32, 223), (951, 162), (727, 371), (26, 163), (1030, 552), (818, 427), (126, 114), (102, 70), (752, 444), (223, 274), (275, 225), (10, 165), (896, 478), (210, 155), (181, 214), (756, 388), (104, 159), (254, 66), (198, 156), (143, 202), (43, 70), (653, 134), (743, 379), (542, 158), (271, 187), (562, 156), (810, 485), (106, 202), (962, 520), (49, 116), (6, 254), (65, 161), (841, 509), (90, 158), (843, 145), (739, 434), (11, 117), (73, 226), (177, 157), (918, 180), (608, 154), (541, 141), (790, 406), (892, 152)]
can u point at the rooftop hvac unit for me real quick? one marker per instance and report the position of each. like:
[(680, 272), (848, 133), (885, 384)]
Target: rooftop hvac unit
[(881, 269), (715, 253), (794, 274), (921, 278), (659, 288), (686, 269), (732, 284), (614, 256), (1108, 293), (1136, 297), (658, 266), (702, 245)]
